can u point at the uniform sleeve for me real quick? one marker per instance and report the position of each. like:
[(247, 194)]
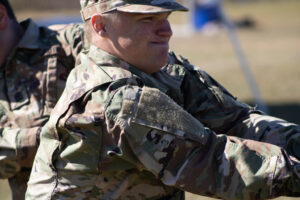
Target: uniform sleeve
[(217, 109), (261, 127), (72, 38), (130, 130), (182, 153), (211, 104), (17, 149), (207, 100)]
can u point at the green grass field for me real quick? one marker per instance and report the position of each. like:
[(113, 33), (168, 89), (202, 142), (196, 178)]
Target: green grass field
[(272, 49)]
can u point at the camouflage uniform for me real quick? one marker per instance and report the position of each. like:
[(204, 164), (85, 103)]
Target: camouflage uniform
[(118, 133), (31, 82)]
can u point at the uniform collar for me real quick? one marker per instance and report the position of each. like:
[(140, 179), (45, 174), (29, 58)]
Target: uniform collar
[(29, 40), (104, 59), (31, 35)]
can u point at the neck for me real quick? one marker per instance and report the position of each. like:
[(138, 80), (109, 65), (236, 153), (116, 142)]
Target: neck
[(2, 55)]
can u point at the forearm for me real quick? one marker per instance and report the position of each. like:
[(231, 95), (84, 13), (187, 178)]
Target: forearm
[(271, 130), (227, 168)]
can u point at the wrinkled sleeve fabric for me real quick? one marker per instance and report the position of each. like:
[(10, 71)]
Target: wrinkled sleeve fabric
[(182, 153), (269, 129), (18, 148)]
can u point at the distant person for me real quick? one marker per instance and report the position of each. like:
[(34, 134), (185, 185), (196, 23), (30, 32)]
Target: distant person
[(137, 122), (34, 65)]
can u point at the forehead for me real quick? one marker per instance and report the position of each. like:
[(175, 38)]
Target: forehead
[(138, 15)]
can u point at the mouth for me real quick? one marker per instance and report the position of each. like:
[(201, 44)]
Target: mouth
[(160, 43)]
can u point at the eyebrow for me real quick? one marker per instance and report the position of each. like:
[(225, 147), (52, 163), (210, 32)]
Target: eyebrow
[(148, 14)]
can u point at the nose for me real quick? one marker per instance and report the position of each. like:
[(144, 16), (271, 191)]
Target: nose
[(165, 29)]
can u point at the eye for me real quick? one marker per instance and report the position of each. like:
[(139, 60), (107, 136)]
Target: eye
[(147, 19)]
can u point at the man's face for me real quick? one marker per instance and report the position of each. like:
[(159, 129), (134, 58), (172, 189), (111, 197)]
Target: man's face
[(141, 39)]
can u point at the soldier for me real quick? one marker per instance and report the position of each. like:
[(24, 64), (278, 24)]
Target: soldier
[(34, 64), (128, 126)]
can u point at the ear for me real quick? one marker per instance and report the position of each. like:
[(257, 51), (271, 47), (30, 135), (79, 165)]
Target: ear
[(98, 24), (4, 19)]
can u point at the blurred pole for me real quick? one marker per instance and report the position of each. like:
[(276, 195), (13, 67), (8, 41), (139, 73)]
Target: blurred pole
[(190, 5), (230, 28)]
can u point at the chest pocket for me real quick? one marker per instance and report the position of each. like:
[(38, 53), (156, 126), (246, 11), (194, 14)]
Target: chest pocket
[(17, 94), (40, 82)]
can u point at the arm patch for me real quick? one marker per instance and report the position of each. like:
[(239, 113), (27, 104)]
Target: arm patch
[(151, 108)]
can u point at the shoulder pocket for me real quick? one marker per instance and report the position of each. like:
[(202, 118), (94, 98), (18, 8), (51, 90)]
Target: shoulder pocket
[(151, 108)]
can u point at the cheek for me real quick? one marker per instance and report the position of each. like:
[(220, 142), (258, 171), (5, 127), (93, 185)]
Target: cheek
[(136, 40), (126, 43)]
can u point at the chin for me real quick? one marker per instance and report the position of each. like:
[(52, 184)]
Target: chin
[(157, 66), (162, 56)]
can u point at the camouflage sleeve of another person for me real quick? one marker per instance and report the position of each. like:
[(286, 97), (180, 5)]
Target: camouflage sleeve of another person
[(217, 109), (182, 153), (72, 39), (19, 148)]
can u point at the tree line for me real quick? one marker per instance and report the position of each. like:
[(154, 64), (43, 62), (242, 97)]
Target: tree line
[(45, 5)]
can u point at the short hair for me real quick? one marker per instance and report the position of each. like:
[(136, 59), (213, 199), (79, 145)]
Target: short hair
[(9, 9)]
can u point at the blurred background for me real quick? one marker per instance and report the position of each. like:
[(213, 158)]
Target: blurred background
[(266, 39)]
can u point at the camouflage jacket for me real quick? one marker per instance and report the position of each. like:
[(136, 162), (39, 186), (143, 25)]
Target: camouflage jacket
[(31, 82), (118, 133)]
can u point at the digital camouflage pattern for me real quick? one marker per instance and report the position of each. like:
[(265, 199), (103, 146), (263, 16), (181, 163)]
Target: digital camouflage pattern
[(89, 7), (118, 133), (31, 82)]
